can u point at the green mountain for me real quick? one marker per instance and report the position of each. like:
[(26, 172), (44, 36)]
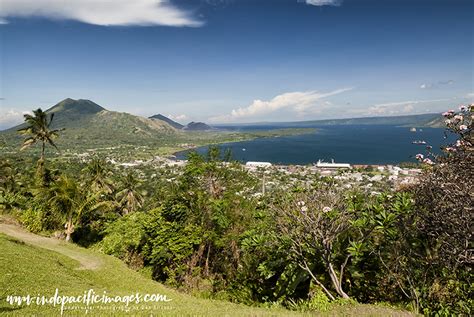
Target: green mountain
[(197, 126), (70, 112), (88, 125), (172, 123), (80, 106)]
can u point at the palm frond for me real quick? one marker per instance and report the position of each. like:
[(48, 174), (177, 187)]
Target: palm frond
[(50, 120)]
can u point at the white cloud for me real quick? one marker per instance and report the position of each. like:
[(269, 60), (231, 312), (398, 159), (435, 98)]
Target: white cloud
[(178, 117), (100, 12), (10, 118), (320, 3), (3, 21), (298, 102)]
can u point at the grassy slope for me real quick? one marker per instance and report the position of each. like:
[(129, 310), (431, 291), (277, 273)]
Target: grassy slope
[(27, 269)]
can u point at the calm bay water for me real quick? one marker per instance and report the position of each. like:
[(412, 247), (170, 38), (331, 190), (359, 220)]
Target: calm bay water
[(345, 144)]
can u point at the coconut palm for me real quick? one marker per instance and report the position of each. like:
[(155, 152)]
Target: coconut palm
[(71, 202), (39, 130), (130, 197), (97, 173)]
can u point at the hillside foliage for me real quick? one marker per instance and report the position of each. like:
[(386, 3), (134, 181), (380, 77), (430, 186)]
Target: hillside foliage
[(209, 229)]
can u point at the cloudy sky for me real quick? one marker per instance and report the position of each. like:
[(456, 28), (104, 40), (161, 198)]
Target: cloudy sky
[(237, 60)]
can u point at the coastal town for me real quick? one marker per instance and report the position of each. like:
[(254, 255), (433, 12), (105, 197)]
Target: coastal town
[(373, 179)]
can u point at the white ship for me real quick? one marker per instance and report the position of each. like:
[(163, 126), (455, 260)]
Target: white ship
[(322, 164)]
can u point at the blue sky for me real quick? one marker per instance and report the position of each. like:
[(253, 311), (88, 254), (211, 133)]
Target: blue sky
[(238, 60)]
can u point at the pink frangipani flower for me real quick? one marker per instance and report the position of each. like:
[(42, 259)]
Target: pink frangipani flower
[(428, 161), (327, 209)]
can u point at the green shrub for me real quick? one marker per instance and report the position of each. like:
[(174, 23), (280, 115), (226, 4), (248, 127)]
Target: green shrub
[(33, 219), (125, 236)]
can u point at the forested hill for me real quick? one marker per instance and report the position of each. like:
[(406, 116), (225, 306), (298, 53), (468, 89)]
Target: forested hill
[(86, 124)]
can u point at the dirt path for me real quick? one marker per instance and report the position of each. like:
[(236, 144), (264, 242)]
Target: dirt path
[(87, 261)]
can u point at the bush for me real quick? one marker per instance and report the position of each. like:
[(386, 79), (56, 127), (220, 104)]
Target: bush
[(32, 219), (126, 236)]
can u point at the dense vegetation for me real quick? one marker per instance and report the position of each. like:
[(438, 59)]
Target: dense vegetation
[(209, 229)]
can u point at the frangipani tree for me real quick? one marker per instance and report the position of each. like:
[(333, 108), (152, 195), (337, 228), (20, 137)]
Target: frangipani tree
[(445, 194), (314, 222)]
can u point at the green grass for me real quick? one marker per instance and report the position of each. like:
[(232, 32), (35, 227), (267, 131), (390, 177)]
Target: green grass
[(25, 269)]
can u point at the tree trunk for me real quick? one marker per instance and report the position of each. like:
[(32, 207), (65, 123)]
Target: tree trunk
[(206, 264), (336, 282), (315, 279), (40, 167), (69, 228), (42, 152), (196, 258)]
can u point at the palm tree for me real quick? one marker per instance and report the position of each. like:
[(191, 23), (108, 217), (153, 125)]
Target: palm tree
[(129, 197), (39, 130), (98, 172), (71, 202)]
